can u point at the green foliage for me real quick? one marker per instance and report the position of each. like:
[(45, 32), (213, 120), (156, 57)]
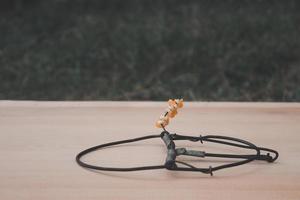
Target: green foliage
[(151, 50)]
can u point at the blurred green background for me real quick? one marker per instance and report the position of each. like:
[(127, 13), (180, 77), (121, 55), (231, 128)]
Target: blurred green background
[(150, 50)]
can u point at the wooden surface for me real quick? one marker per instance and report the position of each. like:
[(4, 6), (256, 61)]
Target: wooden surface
[(39, 141)]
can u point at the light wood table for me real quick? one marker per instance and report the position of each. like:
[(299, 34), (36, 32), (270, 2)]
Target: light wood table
[(39, 142)]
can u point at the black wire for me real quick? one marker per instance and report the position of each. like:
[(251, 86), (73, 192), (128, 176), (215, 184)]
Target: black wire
[(83, 164), (208, 138)]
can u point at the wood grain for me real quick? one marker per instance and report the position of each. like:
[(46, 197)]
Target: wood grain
[(39, 141)]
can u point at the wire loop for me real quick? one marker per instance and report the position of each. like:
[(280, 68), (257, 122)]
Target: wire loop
[(173, 152)]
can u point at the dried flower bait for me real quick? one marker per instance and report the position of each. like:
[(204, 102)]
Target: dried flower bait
[(170, 112), (172, 163)]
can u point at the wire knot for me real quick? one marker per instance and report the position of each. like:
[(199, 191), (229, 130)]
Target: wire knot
[(210, 171), (200, 139)]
